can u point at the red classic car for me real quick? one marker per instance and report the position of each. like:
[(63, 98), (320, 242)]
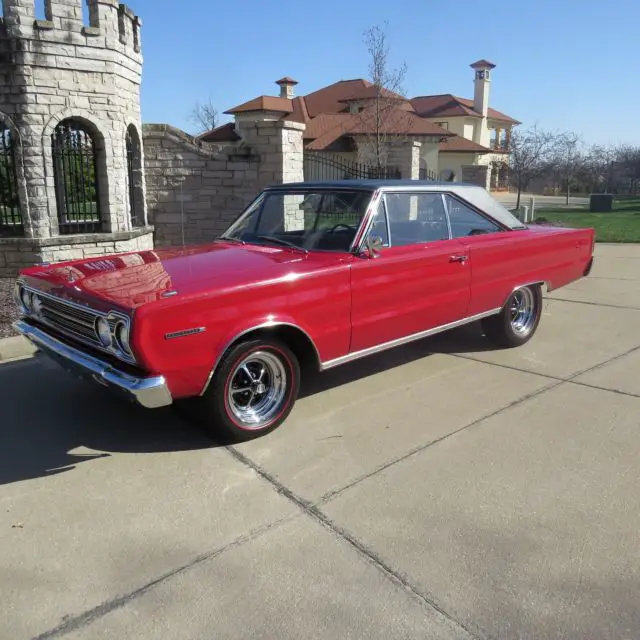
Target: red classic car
[(310, 275)]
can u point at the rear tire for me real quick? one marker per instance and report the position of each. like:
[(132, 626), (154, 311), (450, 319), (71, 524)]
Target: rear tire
[(518, 320), (252, 391)]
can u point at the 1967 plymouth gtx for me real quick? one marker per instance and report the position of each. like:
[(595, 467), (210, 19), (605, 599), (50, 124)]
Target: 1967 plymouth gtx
[(310, 275)]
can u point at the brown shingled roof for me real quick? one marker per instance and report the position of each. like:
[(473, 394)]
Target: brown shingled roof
[(494, 114), (286, 80), (264, 103), (370, 92), (223, 133), (482, 64), (458, 144), (397, 122), (448, 105)]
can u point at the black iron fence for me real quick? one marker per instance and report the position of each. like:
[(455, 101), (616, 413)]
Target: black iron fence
[(426, 174), (76, 179), (10, 212), (324, 166)]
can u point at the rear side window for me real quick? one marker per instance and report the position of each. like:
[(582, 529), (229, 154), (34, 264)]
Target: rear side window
[(467, 222)]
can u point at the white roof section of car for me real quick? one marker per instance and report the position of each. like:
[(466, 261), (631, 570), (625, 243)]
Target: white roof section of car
[(476, 196)]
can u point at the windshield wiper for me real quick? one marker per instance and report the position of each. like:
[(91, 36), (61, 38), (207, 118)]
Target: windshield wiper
[(277, 240), (230, 239)]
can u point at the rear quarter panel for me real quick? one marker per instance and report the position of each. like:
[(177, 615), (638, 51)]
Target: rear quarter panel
[(315, 297), (500, 262)]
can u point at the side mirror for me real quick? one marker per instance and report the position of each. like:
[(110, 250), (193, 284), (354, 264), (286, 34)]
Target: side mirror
[(374, 245)]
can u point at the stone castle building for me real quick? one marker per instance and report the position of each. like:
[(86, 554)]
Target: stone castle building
[(72, 182)]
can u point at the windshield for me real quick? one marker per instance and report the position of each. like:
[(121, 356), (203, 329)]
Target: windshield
[(321, 220)]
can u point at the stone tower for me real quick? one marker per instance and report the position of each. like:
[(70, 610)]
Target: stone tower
[(73, 181)]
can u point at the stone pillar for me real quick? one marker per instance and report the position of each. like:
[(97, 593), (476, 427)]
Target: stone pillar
[(405, 156), (478, 174), (280, 147)]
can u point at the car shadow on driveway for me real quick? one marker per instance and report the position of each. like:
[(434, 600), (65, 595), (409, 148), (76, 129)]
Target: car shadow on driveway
[(46, 415), (50, 422)]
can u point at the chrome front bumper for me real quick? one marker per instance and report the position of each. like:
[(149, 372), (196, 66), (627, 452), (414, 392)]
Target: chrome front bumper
[(149, 392)]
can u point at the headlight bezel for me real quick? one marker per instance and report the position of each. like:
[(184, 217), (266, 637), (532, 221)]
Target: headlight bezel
[(103, 332), (122, 335)]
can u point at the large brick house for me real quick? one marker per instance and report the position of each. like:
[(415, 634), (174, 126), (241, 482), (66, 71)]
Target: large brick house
[(453, 132)]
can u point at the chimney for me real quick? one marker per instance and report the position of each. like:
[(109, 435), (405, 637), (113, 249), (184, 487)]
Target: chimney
[(286, 87), (482, 86)]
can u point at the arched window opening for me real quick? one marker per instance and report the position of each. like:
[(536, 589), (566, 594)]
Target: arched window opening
[(134, 177), (10, 212), (76, 178)]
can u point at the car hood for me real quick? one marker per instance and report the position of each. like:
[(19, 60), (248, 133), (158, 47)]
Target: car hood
[(133, 279)]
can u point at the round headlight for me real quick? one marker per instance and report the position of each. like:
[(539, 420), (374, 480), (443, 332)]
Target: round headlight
[(27, 300), (122, 336), (104, 332)]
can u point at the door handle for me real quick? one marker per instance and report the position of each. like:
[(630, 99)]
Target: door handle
[(462, 259)]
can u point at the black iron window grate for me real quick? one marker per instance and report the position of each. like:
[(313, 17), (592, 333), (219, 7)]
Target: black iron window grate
[(76, 179), (133, 156), (11, 224)]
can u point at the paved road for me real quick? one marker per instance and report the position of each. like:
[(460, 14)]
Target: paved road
[(509, 199), (444, 490)]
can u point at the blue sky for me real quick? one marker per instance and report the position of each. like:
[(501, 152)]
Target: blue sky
[(565, 64)]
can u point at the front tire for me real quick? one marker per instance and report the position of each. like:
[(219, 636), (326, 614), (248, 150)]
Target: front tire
[(253, 390), (518, 320)]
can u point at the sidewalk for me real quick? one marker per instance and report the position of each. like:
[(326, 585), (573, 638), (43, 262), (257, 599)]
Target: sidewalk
[(15, 348)]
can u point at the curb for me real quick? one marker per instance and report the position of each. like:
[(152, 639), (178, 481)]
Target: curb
[(16, 348)]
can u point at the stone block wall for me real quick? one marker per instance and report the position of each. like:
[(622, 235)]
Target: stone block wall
[(194, 191), (477, 174), (16, 253)]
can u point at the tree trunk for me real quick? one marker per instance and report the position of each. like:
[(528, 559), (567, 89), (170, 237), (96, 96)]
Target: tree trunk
[(519, 194)]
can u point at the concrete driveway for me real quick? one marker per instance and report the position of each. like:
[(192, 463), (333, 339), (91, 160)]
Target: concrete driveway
[(443, 490)]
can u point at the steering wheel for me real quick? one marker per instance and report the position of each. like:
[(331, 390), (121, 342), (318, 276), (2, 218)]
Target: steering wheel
[(343, 225)]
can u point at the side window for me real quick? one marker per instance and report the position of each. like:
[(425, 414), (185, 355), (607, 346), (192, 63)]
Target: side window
[(467, 222), (415, 218), (378, 227)]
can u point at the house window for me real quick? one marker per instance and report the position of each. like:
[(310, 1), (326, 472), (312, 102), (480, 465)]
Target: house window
[(444, 125), (76, 178), (10, 212)]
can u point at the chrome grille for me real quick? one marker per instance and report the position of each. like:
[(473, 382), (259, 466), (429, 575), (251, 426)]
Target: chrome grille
[(76, 321)]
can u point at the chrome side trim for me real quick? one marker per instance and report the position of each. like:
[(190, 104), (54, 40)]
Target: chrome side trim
[(356, 355), (184, 332), (151, 392), (264, 325)]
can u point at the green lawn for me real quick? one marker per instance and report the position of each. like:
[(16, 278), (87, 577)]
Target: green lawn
[(621, 225)]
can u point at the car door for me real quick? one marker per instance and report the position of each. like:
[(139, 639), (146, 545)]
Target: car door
[(501, 259), (420, 278)]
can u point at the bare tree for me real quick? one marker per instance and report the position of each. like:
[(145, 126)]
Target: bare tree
[(382, 115), (531, 150), (204, 116), (567, 159), (626, 168)]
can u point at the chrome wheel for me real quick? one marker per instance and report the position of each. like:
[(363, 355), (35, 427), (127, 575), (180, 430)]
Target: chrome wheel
[(522, 311), (257, 390)]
